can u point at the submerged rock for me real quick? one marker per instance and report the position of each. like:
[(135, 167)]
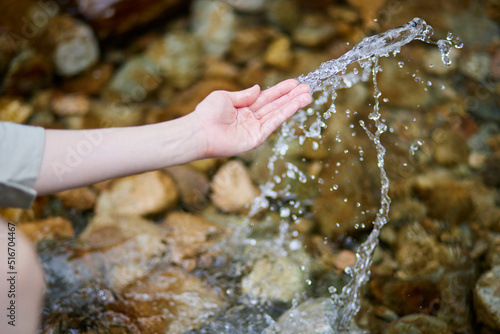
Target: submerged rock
[(487, 298), (277, 278), (123, 249), (312, 317), (418, 324)]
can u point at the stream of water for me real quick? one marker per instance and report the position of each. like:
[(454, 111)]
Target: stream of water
[(325, 81)]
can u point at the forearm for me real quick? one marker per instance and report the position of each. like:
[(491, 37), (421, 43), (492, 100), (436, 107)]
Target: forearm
[(81, 157)]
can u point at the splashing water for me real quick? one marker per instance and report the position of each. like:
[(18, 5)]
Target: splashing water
[(324, 82)]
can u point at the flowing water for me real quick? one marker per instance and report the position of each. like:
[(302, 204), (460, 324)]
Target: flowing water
[(325, 82)]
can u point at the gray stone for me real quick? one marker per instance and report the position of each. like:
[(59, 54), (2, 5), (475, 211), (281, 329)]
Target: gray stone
[(475, 65), (213, 24), (487, 298), (312, 316)]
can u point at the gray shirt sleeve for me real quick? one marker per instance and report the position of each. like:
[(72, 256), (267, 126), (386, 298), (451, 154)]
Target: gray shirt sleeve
[(21, 151)]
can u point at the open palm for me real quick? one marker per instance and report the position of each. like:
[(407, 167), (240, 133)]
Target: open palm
[(235, 122)]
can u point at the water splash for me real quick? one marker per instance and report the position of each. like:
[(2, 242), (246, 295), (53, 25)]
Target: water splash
[(324, 82)]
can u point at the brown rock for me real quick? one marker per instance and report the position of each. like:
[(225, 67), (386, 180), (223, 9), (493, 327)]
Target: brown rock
[(418, 324), (407, 297), (399, 86), (51, 228), (80, 198), (249, 43), (170, 301), (14, 110), (193, 186), (314, 31), (27, 71), (126, 248), (279, 53), (446, 200), (232, 188), (70, 105), (450, 148), (90, 82), (111, 17), (139, 195), (369, 10), (189, 237)]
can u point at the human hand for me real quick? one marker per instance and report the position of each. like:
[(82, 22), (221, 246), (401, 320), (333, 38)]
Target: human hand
[(236, 122)]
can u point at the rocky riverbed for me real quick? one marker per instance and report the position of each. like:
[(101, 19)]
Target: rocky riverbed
[(172, 251)]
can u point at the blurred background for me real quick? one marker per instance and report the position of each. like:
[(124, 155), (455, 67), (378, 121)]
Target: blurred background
[(157, 253)]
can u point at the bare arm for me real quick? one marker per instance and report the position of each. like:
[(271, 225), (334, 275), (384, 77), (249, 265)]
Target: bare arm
[(222, 125)]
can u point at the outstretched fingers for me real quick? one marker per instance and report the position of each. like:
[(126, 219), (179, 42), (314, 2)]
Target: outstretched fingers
[(273, 93), (246, 97), (272, 120), (282, 100)]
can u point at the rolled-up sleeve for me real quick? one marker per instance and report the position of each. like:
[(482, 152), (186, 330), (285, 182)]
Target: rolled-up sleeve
[(21, 152)]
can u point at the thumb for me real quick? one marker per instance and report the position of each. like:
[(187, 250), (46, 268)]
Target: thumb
[(244, 98)]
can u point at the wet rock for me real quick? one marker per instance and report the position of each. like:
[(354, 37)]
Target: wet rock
[(178, 56), (51, 228), (27, 71), (80, 198), (276, 279), (70, 105), (369, 10), (418, 324), (475, 65), (279, 53), (433, 62), (249, 43), (313, 316), (495, 65), (232, 188), (446, 200), (127, 248), (217, 68), (407, 297), (412, 239), (116, 17), (193, 186), (456, 299), (399, 86), (285, 14), (313, 31), (134, 81), (74, 47), (14, 110), (90, 82), (171, 300), (105, 115), (189, 236), (407, 209), (214, 24), (139, 195), (487, 300)]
